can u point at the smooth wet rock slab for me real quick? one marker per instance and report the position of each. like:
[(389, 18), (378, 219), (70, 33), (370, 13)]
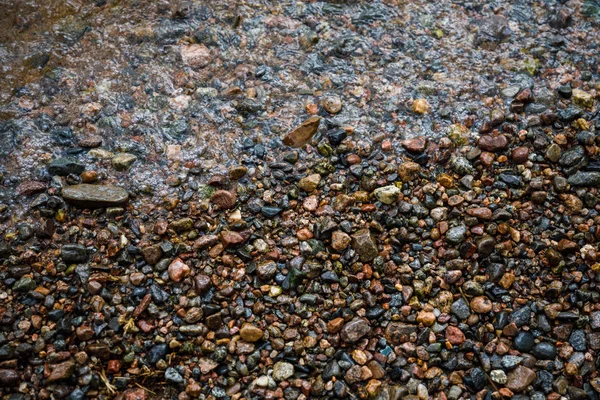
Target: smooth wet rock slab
[(95, 196)]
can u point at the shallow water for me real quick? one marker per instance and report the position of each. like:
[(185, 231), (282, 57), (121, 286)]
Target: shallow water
[(114, 69)]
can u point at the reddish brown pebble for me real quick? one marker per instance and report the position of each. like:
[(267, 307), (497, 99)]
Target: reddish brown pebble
[(335, 325), (231, 238), (89, 176), (524, 96), (84, 332), (352, 159), (415, 145), (114, 366), (520, 155), (223, 199), (492, 143), (455, 336), (205, 241), (480, 212), (28, 188), (481, 304)]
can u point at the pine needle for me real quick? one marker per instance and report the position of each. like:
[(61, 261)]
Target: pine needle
[(111, 388), (129, 326), (145, 388)]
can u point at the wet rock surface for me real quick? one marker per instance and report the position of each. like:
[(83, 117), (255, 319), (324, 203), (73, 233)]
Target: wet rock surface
[(94, 196), (328, 199)]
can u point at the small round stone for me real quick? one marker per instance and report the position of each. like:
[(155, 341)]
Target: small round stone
[(332, 104), (282, 370), (544, 351), (481, 305), (524, 341), (251, 333)]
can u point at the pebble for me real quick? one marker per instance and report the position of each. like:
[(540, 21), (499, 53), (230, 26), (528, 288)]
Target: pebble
[(477, 379), (152, 254), (387, 194), (595, 320), (544, 351), (408, 170), (582, 98), (123, 161), (578, 340), (62, 371), (354, 330), (196, 55), (74, 253), (29, 188), (340, 240), (181, 225), (415, 145), (481, 305), (520, 378), (9, 377), (364, 244), (266, 270), (332, 104), (461, 309), (455, 336), (65, 166), (251, 333), (520, 155), (582, 178), (171, 375), (301, 135), (498, 376), (493, 143), (223, 199), (456, 234), (282, 370), (524, 341), (309, 183), (178, 270), (510, 362), (89, 176), (420, 106)]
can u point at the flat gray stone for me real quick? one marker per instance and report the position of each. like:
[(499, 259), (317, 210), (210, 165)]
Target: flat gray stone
[(94, 196), (354, 330), (582, 178)]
